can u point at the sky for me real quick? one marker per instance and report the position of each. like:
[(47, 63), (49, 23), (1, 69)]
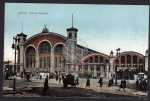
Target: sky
[(102, 27)]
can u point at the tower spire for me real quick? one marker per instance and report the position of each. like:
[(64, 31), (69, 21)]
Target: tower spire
[(72, 20)]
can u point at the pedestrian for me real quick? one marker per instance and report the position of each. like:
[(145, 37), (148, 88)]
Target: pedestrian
[(137, 84), (121, 85), (141, 87), (112, 80), (144, 85), (59, 79), (110, 83), (45, 86), (88, 82), (100, 81), (56, 77), (124, 84)]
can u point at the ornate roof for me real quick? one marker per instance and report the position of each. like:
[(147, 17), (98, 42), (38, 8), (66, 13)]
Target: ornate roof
[(21, 34), (72, 29)]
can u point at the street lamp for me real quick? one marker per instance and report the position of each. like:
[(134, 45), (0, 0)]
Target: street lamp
[(16, 47), (118, 53)]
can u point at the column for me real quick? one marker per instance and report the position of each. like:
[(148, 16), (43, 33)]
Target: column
[(21, 57), (52, 60), (95, 71), (82, 67), (89, 68)]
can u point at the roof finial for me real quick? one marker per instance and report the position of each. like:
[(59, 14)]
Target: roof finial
[(72, 20), (45, 25)]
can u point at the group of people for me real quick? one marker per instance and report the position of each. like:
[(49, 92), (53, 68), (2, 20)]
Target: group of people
[(100, 82), (142, 84)]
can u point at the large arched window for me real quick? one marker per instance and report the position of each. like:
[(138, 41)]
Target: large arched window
[(135, 59), (59, 48), (44, 47), (96, 59), (123, 60), (30, 50), (91, 59), (101, 60), (128, 59)]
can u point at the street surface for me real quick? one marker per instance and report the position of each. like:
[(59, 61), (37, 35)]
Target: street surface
[(34, 88)]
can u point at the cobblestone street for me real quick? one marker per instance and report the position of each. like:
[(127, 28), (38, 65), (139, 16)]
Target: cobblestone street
[(34, 88)]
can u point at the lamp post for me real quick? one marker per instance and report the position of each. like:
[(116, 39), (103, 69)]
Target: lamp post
[(118, 53), (16, 47)]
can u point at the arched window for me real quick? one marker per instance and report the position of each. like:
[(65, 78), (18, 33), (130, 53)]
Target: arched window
[(91, 59), (135, 59), (128, 59), (123, 60), (96, 59), (30, 50), (44, 47), (59, 48), (75, 35), (141, 61), (101, 60), (70, 35)]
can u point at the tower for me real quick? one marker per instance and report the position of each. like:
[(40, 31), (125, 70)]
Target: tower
[(111, 63), (71, 46), (21, 40), (146, 60)]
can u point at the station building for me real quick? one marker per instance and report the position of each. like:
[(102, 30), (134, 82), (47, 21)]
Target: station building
[(46, 50)]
